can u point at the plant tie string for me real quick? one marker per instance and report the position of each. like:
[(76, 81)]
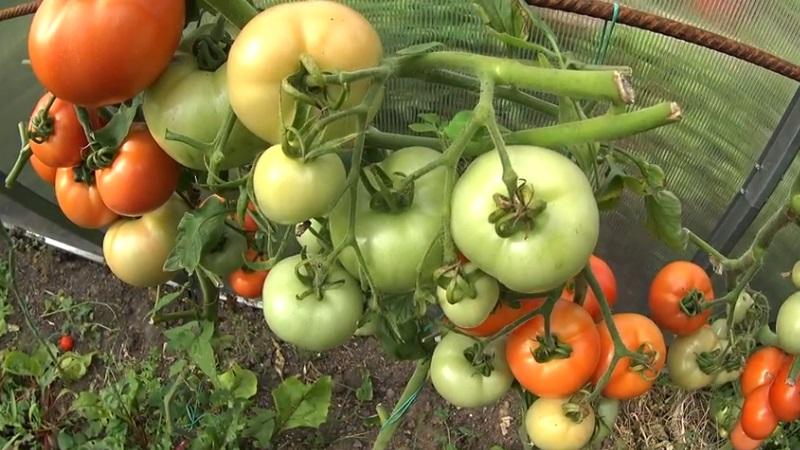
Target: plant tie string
[(605, 35), (403, 408)]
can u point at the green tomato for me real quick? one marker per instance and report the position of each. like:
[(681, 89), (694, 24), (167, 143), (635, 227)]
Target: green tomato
[(720, 327), (469, 312), (227, 255), (796, 274), (194, 102), (607, 412), (309, 241), (684, 370), (551, 429), (394, 243), (787, 325), (290, 191), (311, 323), (743, 304), (458, 382), (766, 336), (563, 235)]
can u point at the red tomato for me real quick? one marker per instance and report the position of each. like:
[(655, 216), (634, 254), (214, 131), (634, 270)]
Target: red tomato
[(246, 283), (67, 140), (784, 395), (761, 368), (45, 172), (65, 343), (758, 419), (608, 284), (559, 376), (141, 178), (81, 202), (250, 224), (100, 52), (636, 331), (741, 441), (502, 315), (674, 282)]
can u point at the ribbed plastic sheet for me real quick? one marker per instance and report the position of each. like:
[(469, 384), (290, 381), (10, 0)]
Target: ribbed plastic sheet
[(730, 107)]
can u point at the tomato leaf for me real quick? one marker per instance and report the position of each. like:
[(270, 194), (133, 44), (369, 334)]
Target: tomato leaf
[(502, 17), (116, 130), (164, 301), (22, 364), (261, 427), (241, 383), (198, 230), (419, 49), (302, 405), (664, 218), (195, 339), (74, 366), (423, 128)]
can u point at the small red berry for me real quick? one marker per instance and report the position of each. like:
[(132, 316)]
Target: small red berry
[(66, 343)]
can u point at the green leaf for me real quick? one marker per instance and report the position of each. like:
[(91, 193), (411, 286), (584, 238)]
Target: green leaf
[(116, 130), (177, 367), (502, 17), (431, 118), (242, 383), (164, 301), (302, 405), (74, 365), (22, 364), (422, 128), (261, 427), (419, 49), (653, 174), (664, 218), (610, 192), (195, 339), (199, 230), (364, 392)]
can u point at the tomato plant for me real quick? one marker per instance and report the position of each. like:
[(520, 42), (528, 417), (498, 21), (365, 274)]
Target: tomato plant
[(629, 380), (761, 368), (677, 294), (558, 366), (563, 233), (311, 323), (258, 63), (503, 314), (787, 324), (141, 178), (289, 190), (463, 384), (80, 201), (549, 427), (608, 284), (784, 395), (194, 102), (685, 354), (394, 228), (136, 249), (76, 53)]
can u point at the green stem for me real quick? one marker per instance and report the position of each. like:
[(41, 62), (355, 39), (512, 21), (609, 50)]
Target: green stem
[(210, 297), (380, 139), (174, 316), (763, 238), (168, 399), (218, 148), (513, 325), (612, 86), (320, 125), (716, 256), (414, 384), (600, 128), (238, 12), (22, 160), (509, 175)]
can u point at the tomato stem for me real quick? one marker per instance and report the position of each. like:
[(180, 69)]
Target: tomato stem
[(238, 12), (513, 325), (210, 297), (415, 383), (174, 316), (24, 156)]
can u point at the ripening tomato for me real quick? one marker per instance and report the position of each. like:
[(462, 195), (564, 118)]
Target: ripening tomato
[(80, 201), (65, 343), (67, 140), (559, 374), (99, 52), (502, 315), (741, 441), (608, 284), (784, 395), (637, 332), (758, 419), (761, 368), (45, 172), (247, 283), (673, 284), (141, 178)]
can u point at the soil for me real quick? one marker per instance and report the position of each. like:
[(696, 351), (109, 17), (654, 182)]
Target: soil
[(431, 423)]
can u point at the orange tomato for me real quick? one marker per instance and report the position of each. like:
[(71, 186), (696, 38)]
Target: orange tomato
[(674, 282), (247, 283), (559, 376), (608, 284), (741, 441), (100, 52), (141, 178), (81, 202), (636, 331), (758, 419), (67, 140), (45, 172), (502, 315)]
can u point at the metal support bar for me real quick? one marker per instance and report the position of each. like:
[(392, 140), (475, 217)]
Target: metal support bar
[(772, 165)]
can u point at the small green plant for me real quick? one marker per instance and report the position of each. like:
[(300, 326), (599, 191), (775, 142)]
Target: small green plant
[(364, 392), (73, 317)]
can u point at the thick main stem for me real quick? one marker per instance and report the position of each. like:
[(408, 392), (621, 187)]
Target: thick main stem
[(210, 297), (609, 85), (413, 386), (238, 12)]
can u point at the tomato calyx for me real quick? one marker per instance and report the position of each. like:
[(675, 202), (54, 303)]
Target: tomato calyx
[(692, 303), (458, 281), (42, 126), (313, 272), (517, 212), (480, 360), (577, 409), (644, 361), (387, 194), (211, 49), (550, 349)]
